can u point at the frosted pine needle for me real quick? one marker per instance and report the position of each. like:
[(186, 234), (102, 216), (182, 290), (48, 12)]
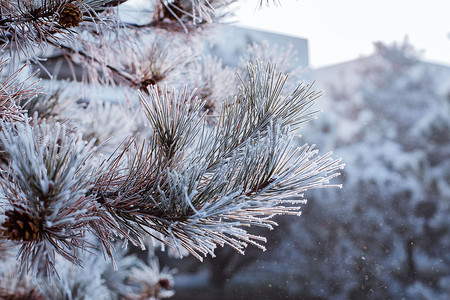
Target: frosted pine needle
[(201, 185), (45, 184)]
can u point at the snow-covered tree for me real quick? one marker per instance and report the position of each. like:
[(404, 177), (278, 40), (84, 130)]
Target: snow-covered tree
[(158, 145), (386, 234)]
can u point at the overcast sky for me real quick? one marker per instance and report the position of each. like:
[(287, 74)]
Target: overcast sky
[(340, 30)]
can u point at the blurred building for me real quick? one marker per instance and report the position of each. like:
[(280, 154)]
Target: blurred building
[(232, 42)]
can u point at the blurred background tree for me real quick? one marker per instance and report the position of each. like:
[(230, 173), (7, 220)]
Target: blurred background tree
[(386, 233)]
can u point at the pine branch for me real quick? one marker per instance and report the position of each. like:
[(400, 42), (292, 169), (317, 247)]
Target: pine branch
[(26, 25), (45, 185), (176, 119), (116, 74), (199, 181), (189, 14), (200, 186), (259, 103), (13, 91)]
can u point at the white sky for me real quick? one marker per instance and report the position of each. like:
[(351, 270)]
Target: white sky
[(340, 30)]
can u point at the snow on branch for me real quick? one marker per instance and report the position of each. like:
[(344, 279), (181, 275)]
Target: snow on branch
[(45, 185), (201, 185), (193, 185), (14, 90), (27, 24)]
